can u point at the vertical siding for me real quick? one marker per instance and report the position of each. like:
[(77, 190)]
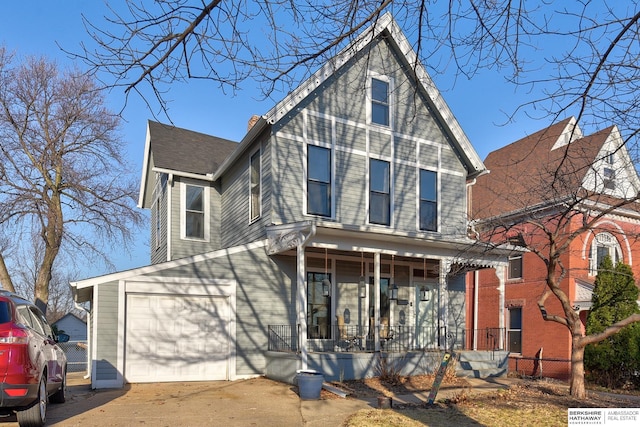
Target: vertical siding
[(107, 332)]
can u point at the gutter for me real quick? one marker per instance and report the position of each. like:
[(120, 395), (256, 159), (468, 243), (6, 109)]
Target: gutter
[(253, 133)]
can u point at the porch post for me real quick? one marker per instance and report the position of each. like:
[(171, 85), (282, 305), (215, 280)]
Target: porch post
[(501, 272), (443, 303), (376, 305), (301, 307)]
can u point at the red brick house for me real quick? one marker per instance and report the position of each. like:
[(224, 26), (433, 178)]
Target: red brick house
[(554, 172)]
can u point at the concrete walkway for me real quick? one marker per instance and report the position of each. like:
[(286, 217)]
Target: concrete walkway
[(254, 402)]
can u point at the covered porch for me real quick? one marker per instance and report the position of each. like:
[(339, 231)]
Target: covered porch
[(360, 296)]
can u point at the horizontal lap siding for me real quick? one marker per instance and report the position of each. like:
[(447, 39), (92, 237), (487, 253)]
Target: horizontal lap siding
[(405, 197), (453, 206), (265, 296), (351, 188), (107, 332), (288, 181), (159, 251), (180, 247), (235, 226), (336, 114)]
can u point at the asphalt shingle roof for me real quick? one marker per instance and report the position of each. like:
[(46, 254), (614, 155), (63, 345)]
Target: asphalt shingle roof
[(529, 172), (187, 151)]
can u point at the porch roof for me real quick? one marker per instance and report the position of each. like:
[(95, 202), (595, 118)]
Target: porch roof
[(371, 239)]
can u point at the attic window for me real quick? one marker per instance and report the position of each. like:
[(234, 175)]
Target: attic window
[(610, 158), (380, 102), (609, 179)]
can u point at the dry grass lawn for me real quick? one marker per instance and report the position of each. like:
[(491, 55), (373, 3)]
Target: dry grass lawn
[(530, 403)]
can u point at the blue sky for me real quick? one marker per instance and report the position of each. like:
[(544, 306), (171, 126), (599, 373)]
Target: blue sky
[(30, 27)]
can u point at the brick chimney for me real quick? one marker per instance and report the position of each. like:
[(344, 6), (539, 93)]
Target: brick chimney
[(252, 121)]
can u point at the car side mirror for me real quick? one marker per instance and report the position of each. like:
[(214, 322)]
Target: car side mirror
[(63, 338)]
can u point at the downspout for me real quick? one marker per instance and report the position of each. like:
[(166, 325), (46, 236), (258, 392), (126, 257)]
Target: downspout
[(301, 298), (476, 277), (89, 320), (500, 272), (169, 218)]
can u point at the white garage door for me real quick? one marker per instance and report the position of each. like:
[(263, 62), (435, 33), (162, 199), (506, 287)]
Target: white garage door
[(176, 338)]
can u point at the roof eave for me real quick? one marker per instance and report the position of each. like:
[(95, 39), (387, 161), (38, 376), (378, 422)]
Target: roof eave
[(145, 166), (248, 139)]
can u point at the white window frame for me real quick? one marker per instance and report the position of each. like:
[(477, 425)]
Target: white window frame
[(183, 211), (608, 241), (390, 177), (513, 329), (255, 216), (331, 181), (390, 101), (511, 259), (420, 199)]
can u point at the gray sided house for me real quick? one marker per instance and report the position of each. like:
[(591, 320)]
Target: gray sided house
[(335, 232)]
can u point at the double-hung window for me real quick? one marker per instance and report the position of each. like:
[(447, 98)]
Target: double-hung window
[(380, 102), (515, 267), (194, 203), (254, 197), (514, 333), (609, 178), (318, 181), (379, 192), (428, 201)]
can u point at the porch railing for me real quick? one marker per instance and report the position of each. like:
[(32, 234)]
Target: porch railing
[(396, 338)]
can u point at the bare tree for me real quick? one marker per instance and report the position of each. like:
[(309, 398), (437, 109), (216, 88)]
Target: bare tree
[(25, 274), (588, 67), (62, 174), (549, 196)]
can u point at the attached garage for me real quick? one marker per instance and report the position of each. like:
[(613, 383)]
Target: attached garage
[(149, 327), (176, 338)]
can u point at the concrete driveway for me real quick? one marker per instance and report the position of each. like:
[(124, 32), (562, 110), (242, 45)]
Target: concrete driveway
[(258, 401)]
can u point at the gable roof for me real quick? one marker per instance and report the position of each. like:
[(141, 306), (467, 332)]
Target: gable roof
[(182, 152), (541, 169), (71, 316), (384, 26)]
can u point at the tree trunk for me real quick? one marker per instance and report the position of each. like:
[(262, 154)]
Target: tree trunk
[(576, 385), (5, 278)]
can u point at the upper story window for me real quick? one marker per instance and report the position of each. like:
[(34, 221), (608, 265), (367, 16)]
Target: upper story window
[(379, 192), (609, 178), (515, 267), (604, 244), (194, 212), (428, 201), (380, 102), (255, 194), (318, 181)]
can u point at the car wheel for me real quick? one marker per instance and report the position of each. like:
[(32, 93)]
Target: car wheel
[(60, 395), (35, 415)]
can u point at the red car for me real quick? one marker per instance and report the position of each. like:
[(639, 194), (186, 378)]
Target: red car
[(33, 368)]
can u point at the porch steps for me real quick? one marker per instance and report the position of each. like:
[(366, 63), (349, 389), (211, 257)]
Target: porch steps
[(482, 364)]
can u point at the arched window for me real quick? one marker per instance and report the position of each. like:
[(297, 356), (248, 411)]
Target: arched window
[(602, 245)]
